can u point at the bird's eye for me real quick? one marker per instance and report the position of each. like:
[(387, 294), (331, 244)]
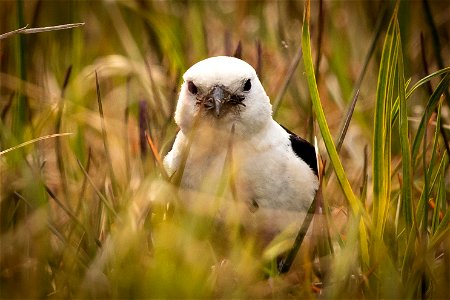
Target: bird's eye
[(192, 88), (247, 85)]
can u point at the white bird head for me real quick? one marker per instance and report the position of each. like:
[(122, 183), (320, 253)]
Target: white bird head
[(226, 91)]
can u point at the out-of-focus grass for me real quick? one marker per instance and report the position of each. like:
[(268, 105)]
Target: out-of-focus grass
[(90, 215)]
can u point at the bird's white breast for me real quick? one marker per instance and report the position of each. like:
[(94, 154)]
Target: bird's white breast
[(267, 171)]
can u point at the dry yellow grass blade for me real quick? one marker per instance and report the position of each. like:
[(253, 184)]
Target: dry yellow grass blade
[(26, 30), (45, 137)]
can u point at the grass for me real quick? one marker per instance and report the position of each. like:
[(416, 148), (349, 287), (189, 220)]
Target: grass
[(86, 210)]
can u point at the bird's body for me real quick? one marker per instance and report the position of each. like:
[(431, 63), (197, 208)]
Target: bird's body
[(225, 116)]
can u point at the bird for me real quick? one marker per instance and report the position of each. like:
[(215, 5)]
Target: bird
[(222, 105)]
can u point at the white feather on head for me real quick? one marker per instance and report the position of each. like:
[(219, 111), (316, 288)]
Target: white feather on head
[(231, 73)]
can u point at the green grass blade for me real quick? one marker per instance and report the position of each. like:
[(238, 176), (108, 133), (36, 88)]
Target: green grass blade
[(439, 204), (286, 263), (434, 155), (381, 137), (433, 174), (287, 79), (426, 79), (58, 145), (443, 226), (406, 194), (418, 84), (354, 203), (435, 149), (103, 199), (321, 120), (386, 200), (364, 244), (408, 254), (357, 86), (431, 105), (105, 139)]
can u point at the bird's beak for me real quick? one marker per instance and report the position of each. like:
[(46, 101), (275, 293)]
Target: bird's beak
[(218, 97)]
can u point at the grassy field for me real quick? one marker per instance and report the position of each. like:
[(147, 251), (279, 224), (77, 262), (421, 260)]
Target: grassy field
[(87, 114)]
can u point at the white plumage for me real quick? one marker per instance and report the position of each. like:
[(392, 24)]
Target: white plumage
[(275, 171)]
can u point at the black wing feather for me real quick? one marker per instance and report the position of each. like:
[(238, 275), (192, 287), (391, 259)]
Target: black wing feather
[(303, 149)]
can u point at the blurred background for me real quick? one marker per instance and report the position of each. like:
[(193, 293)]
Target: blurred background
[(62, 198)]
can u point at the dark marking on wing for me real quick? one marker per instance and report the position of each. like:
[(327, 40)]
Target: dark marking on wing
[(303, 149)]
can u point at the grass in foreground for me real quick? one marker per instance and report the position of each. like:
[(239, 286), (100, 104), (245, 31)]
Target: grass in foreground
[(87, 212)]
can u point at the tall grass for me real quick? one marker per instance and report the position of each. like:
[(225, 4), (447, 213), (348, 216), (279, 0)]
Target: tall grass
[(87, 211)]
